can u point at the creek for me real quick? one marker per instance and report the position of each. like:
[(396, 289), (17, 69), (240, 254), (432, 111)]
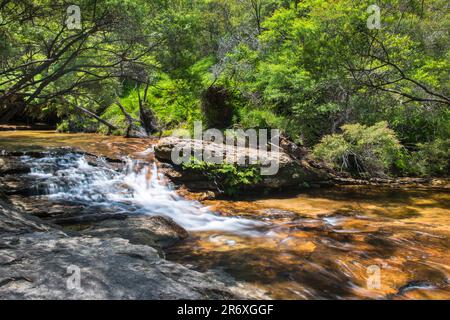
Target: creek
[(314, 244)]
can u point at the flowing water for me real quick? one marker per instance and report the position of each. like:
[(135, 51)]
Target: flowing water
[(137, 189), (343, 242)]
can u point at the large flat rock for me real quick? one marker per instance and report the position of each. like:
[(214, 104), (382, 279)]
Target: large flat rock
[(37, 265), (155, 231), (292, 172), (37, 261)]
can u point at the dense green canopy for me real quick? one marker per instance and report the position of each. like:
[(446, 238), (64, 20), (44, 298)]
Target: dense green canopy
[(306, 67)]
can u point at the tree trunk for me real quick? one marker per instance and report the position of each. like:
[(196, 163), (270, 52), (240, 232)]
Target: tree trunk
[(133, 131), (93, 115), (13, 105), (146, 116)]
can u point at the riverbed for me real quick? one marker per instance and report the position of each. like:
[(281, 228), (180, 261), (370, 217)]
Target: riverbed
[(345, 242)]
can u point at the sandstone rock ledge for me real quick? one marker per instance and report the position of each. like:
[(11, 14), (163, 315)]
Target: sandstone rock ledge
[(292, 172), (35, 257)]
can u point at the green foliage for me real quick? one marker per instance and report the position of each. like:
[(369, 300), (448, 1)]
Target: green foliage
[(361, 149), (432, 158), (63, 127), (229, 178), (260, 119), (114, 115), (305, 67), (174, 103), (301, 68)]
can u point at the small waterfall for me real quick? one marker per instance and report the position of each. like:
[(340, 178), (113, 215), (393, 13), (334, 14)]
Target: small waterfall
[(137, 189)]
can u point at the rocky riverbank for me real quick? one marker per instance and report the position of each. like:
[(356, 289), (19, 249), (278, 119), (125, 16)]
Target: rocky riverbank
[(118, 255)]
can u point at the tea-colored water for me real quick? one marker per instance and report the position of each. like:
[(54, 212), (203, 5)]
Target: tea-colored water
[(108, 146), (333, 243)]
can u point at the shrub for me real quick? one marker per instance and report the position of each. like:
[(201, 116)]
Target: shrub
[(266, 119), (175, 103), (63, 126), (228, 177), (260, 119), (432, 158), (360, 149)]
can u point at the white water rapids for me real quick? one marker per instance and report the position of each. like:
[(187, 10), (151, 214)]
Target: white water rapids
[(137, 189)]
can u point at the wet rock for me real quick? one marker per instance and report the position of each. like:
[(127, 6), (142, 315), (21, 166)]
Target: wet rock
[(401, 182), (273, 213), (9, 165), (412, 285), (88, 218), (421, 272), (113, 164), (188, 179), (339, 237), (43, 208), (310, 225), (13, 222), (22, 185), (39, 152), (196, 196), (339, 214), (155, 231)]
